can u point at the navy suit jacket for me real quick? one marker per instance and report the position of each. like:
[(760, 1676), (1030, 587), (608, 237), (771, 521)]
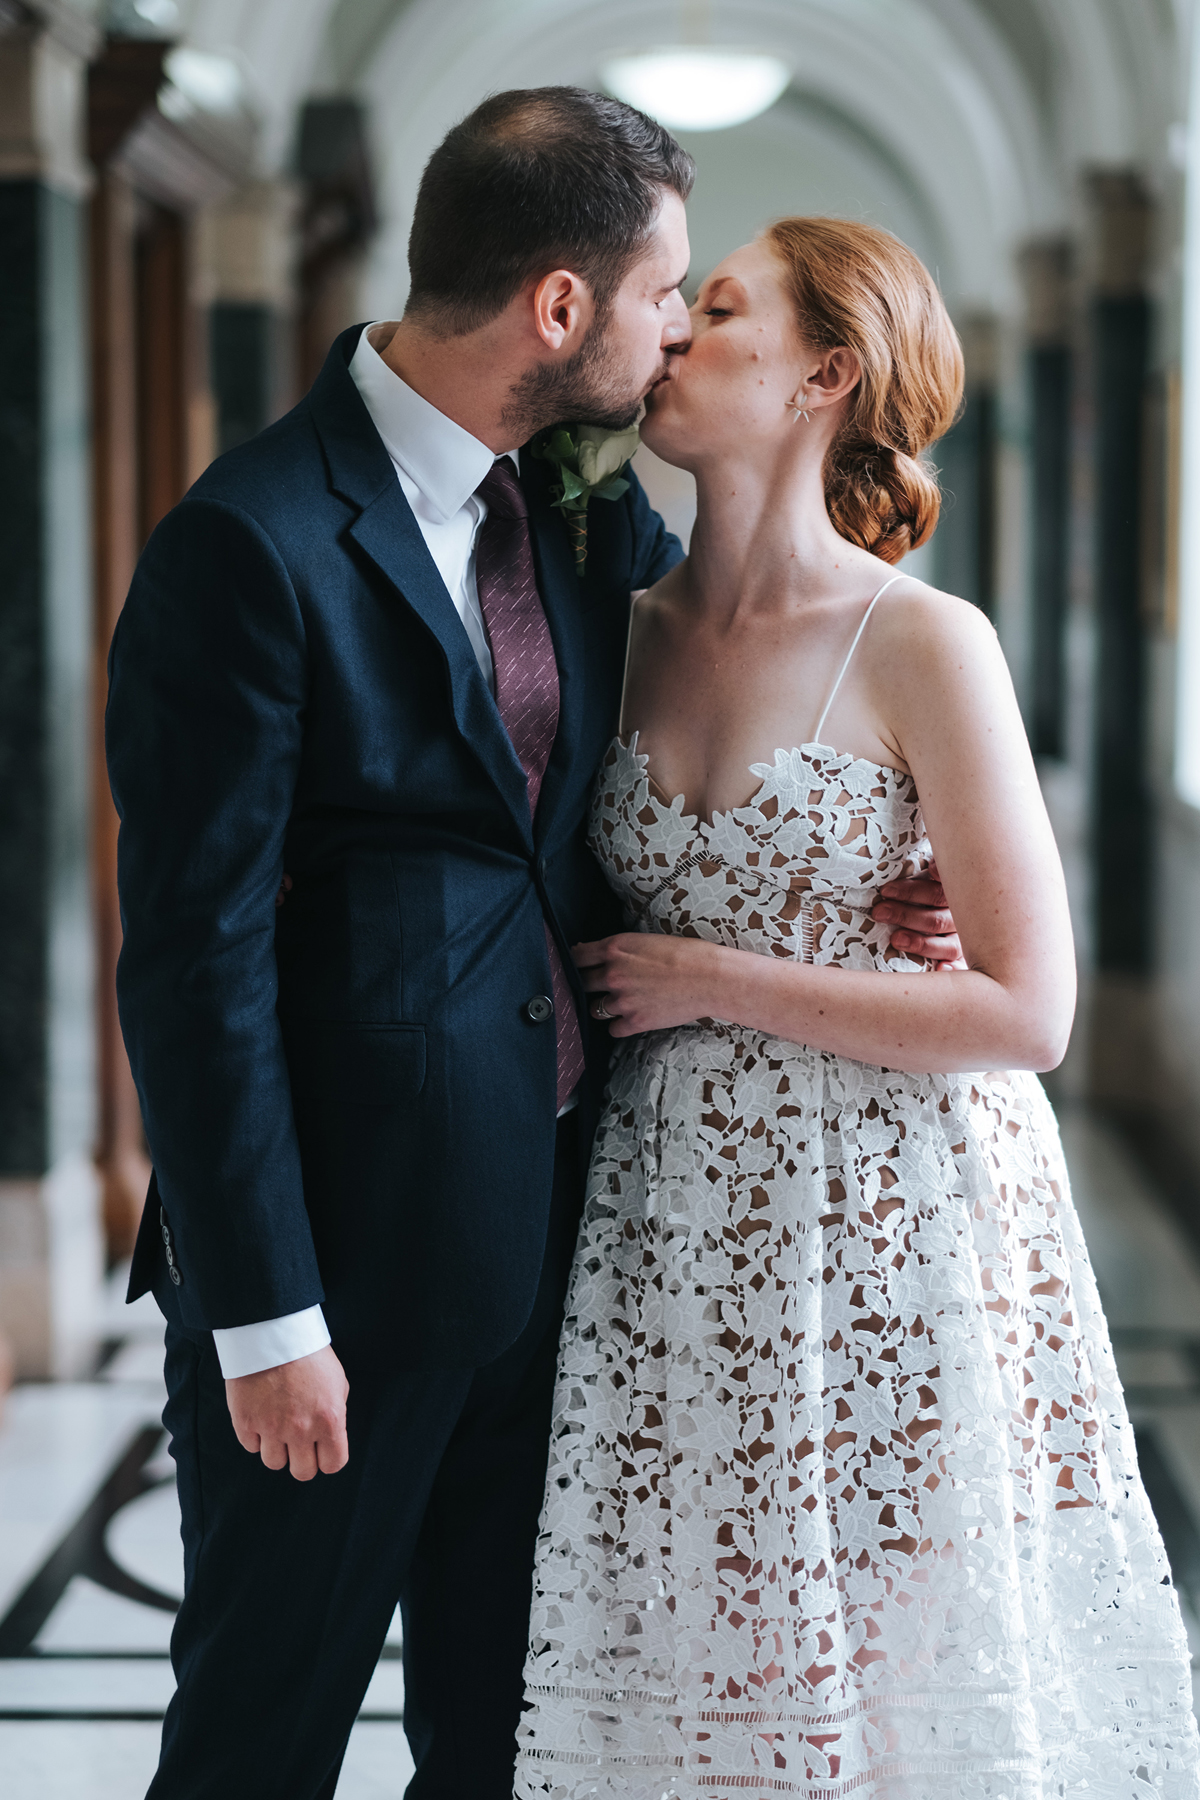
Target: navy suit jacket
[(346, 1099)]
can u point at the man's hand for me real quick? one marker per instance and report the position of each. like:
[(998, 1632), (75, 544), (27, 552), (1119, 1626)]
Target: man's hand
[(922, 925), (294, 1416)]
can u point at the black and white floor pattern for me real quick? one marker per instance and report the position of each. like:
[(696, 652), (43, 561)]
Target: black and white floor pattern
[(91, 1568), (91, 1572)]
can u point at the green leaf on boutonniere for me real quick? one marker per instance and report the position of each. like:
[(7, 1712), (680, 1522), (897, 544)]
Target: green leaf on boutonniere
[(612, 490), (590, 460)]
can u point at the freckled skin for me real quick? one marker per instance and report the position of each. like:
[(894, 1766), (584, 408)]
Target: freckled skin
[(732, 656)]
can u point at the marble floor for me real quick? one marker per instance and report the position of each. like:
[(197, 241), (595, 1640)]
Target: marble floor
[(91, 1569), (90, 1574)]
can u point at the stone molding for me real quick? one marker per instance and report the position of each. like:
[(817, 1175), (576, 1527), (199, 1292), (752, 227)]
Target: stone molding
[(43, 112), (51, 1271), (246, 246)]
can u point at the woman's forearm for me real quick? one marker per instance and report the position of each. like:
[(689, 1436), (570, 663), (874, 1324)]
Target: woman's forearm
[(952, 1022)]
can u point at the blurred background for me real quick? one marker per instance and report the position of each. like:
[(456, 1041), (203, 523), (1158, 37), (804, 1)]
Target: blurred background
[(195, 197)]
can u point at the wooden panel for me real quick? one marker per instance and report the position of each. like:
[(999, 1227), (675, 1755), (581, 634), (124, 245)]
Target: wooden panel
[(161, 364), (122, 83), (120, 1148)]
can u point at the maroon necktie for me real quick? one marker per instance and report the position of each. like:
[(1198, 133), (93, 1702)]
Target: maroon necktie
[(526, 690)]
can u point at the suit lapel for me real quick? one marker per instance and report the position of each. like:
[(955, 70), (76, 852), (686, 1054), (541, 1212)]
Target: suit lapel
[(389, 535), (562, 598)]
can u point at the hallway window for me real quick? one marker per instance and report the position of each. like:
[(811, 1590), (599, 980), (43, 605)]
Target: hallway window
[(1187, 715)]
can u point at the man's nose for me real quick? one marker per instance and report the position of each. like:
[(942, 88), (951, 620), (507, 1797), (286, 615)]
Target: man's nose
[(677, 332)]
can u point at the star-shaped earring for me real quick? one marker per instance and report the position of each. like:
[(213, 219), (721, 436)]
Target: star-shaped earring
[(799, 406)]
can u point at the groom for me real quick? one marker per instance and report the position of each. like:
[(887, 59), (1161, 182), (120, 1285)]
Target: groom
[(358, 674)]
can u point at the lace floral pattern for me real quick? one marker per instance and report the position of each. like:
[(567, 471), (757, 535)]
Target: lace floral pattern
[(842, 1499)]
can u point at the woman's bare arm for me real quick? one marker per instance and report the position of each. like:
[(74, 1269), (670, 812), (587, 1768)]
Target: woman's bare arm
[(949, 705)]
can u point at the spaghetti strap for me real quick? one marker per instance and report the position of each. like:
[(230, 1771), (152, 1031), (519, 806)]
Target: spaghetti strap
[(816, 736), (625, 668)]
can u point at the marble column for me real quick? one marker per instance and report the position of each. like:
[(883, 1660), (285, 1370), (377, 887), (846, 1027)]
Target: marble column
[(246, 253), (1047, 267), (1125, 1058), (1122, 813), (964, 545), (50, 1258)]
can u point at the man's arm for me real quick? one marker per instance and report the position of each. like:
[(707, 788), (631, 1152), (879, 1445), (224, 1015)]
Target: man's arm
[(208, 686)]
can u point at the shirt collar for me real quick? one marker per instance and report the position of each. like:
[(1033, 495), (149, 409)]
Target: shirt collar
[(444, 460)]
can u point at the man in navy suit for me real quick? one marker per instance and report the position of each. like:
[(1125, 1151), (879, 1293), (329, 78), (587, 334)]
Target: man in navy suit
[(368, 1107)]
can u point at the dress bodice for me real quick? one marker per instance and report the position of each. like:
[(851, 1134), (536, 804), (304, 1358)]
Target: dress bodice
[(793, 873)]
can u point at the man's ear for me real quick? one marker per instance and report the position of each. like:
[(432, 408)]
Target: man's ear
[(562, 310)]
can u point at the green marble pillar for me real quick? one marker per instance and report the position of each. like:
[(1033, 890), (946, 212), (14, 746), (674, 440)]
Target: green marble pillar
[(48, 1229)]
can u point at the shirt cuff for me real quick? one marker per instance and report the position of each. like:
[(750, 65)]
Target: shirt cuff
[(248, 1349)]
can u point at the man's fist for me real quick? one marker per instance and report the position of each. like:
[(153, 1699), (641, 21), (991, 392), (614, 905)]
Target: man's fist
[(294, 1416)]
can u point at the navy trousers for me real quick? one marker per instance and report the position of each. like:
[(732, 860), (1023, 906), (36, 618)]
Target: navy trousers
[(290, 1586)]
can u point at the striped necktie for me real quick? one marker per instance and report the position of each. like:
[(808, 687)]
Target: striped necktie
[(526, 690)]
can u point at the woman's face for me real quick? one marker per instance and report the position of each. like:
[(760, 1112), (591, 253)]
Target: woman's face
[(744, 363)]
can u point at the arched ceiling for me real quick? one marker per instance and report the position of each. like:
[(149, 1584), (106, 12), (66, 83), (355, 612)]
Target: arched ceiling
[(960, 124)]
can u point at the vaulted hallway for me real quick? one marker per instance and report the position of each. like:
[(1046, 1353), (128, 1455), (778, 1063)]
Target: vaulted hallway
[(195, 197)]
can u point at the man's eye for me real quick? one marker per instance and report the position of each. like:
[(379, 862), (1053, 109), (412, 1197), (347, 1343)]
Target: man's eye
[(718, 312)]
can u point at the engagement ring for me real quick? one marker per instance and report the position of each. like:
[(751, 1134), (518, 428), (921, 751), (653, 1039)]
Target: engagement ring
[(600, 1011)]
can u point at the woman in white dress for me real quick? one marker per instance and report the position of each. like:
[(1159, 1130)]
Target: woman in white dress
[(842, 1497)]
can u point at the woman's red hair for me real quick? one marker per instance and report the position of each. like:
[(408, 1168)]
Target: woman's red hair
[(859, 287)]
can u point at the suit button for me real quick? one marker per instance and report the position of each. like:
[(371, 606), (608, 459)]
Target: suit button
[(539, 1009), (176, 1277)]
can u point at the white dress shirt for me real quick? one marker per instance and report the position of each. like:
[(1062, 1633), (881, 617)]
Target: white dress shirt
[(439, 465)]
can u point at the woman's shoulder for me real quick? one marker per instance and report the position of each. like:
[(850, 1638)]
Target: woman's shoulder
[(656, 605), (929, 654), (922, 624)]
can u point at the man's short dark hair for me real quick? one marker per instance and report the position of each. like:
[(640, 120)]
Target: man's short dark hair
[(537, 179)]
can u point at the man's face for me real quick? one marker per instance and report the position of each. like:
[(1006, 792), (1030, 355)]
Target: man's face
[(625, 351), (648, 317)]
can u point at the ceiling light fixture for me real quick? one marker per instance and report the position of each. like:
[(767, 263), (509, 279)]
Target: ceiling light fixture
[(212, 83), (697, 88)]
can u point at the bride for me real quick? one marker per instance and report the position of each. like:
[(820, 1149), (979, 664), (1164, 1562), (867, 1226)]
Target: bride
[(842, 1498)]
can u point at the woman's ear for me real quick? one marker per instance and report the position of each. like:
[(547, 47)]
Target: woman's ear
[(833, 375)]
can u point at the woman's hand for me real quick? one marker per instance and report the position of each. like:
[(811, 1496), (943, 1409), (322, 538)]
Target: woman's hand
[(637, 982)]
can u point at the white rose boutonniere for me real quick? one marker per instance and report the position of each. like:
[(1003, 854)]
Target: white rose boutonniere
[(589, 460)]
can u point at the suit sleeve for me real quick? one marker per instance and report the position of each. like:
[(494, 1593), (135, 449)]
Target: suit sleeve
[(208, 678), (655, 549)]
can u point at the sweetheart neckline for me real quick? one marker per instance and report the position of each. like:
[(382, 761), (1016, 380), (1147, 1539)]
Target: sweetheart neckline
[(841, 757)]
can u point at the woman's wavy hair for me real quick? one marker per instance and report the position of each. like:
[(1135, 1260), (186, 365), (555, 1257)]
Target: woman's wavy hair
[(860, 287)]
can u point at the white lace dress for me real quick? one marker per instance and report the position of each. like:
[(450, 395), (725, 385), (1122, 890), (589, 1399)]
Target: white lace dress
[(842, 1497)]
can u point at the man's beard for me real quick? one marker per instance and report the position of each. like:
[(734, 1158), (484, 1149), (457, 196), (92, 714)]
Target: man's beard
[(589, 389)]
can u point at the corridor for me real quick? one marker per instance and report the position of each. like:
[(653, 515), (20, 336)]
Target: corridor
[(196, 197)]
